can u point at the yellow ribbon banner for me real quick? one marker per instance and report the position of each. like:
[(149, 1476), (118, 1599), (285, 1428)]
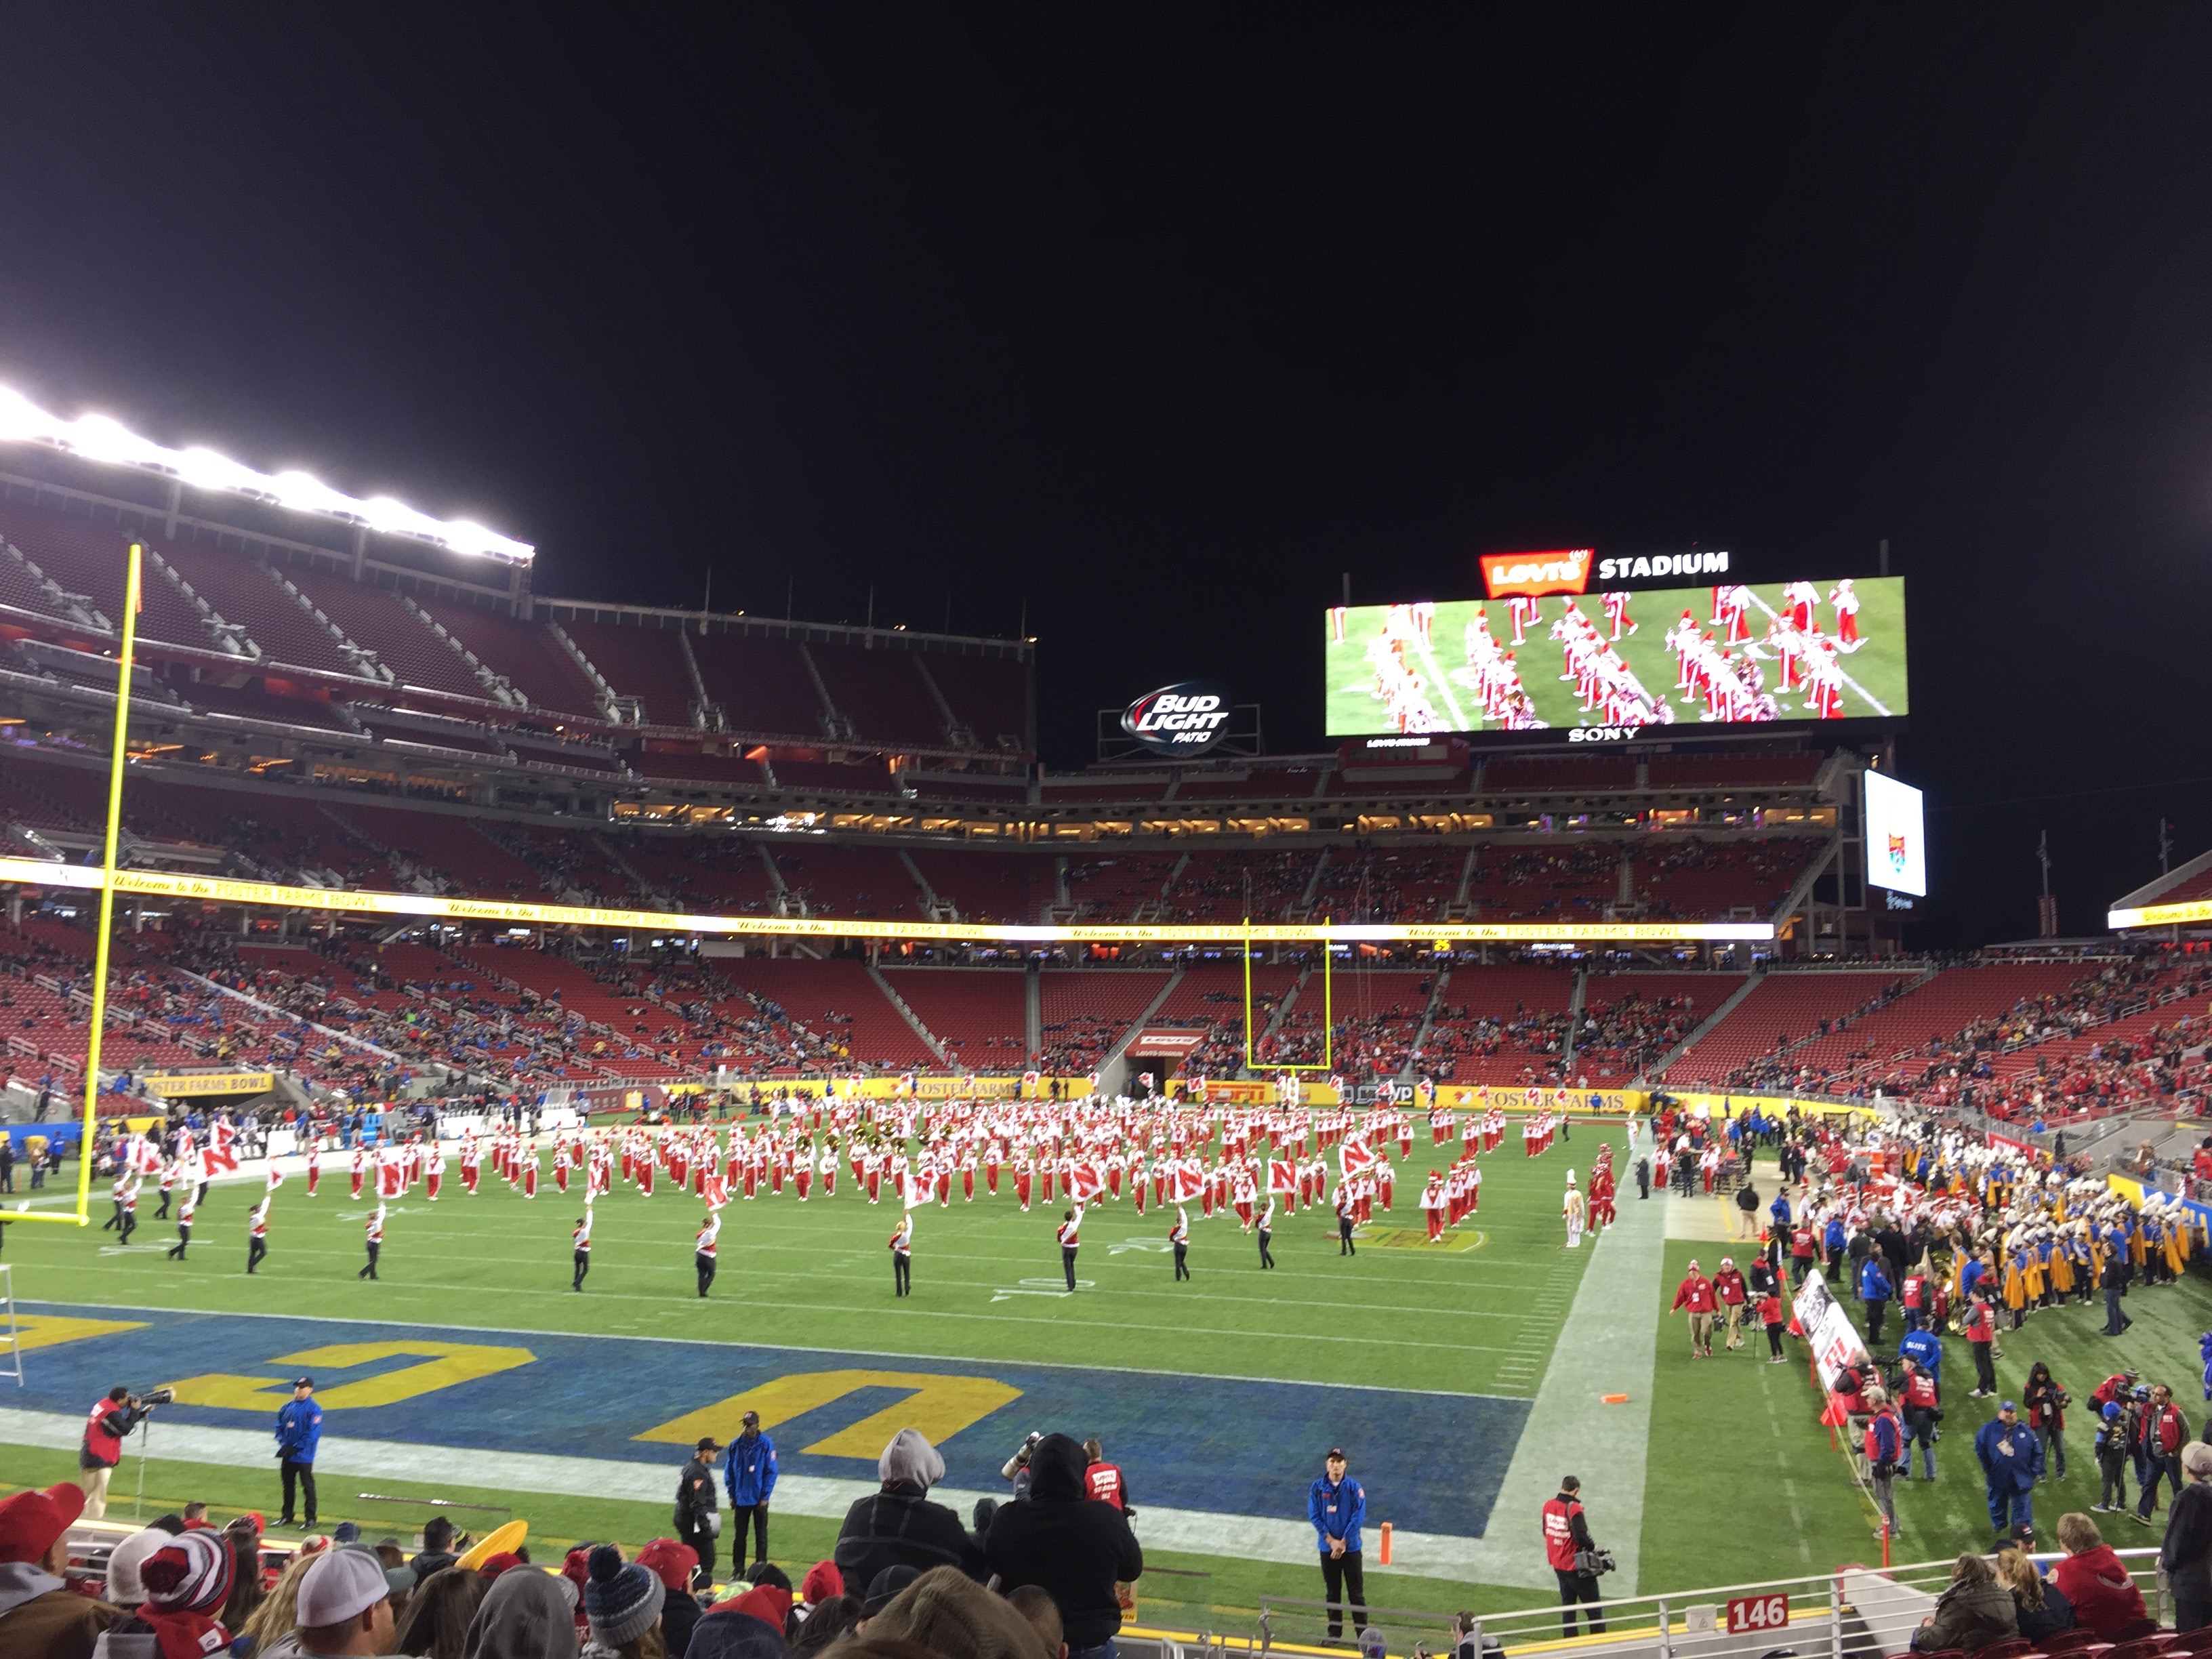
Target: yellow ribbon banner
[(217, 889)]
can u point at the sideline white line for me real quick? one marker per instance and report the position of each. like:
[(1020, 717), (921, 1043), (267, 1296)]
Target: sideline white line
[(1608, 1345), (1196, 1532)]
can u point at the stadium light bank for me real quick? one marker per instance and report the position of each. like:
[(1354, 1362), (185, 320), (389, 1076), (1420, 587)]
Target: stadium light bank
[(101, 438)]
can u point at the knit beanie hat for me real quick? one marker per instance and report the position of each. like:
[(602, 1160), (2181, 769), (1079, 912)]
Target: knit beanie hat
[(822, 1581), (125, 1588), (190, 1573), (622, 1599)]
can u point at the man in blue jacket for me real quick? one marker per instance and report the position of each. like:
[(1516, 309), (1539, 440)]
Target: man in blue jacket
[(1336, 1505), (299, 1432), (1874, 1291), (2011, 1455), (750, 1474)]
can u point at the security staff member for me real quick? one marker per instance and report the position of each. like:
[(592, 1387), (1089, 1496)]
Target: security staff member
[(299, 1433), (750, 1475), (107, 1426), (1566, 1534), (696, 1514), (1336, 1505)]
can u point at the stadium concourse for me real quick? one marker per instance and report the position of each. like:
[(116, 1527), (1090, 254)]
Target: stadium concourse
[(374, 785)]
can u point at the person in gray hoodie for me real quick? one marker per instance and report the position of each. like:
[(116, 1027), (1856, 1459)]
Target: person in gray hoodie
[(524, 1615), (898, 1526)]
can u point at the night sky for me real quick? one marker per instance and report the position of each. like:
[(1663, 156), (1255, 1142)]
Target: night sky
[(1153, 320)]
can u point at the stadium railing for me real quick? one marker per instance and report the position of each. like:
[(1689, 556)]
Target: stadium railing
[(1851, 1612)]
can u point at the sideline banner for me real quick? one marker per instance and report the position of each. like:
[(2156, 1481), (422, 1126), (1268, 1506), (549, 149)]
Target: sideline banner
[(1828, 1330), (177, 1084)]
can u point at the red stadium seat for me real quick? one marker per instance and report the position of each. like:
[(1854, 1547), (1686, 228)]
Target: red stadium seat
[(2011, 1648)]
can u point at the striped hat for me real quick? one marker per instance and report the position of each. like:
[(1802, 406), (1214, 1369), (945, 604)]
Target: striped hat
[(192, 1573), (621, 1600)]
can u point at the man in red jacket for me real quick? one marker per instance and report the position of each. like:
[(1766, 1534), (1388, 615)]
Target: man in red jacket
[(2159, 1449), (1730, 1288), (1695, 1294)]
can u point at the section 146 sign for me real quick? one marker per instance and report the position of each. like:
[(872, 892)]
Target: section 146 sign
[(1180, 721)]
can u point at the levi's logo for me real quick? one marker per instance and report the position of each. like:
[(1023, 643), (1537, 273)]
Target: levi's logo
[(1564, 570)]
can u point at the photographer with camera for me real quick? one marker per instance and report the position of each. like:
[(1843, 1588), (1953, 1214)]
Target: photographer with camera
[(1575, 1560), (299, 1432), (107, 1426)]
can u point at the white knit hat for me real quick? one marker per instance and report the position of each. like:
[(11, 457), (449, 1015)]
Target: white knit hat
[(125, 1588)]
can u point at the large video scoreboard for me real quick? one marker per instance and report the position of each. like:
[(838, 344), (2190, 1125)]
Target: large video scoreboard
[(1571, 640)]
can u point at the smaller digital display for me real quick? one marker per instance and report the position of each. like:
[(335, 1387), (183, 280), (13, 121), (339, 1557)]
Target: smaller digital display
[(1896, 844)]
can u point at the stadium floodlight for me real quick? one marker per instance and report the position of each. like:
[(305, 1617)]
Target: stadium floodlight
[(104, 439)]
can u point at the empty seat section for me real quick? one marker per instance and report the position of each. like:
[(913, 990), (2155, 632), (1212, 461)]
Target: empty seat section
[(1606, 772), (524, 654), (835, 999), (979, 1014), (242, 592), (379, 622), (1706, 881), (1227, 887), (82, 556), (1081, 1015), (1265, 783), (882, 693), (1384, 885), (1573, 883), (445, 845), (689, 766), (993, 792), (52, 796), (1113, 889), (988, 887), (831, 777), (645, 663), (249, 701), (1724, 771), (1058, 791), (762, 685), (989, 695), (851, 881), (716, 876)]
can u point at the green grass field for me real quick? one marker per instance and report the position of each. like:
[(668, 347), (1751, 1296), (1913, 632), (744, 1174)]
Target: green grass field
[(1742, 1484), (1876, 671)]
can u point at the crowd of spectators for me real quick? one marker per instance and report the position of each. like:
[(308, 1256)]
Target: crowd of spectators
[(1042, 1576)]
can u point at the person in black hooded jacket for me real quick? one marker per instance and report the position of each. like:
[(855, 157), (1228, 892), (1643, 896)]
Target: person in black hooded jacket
[(899, 1527), (1069, 1544)]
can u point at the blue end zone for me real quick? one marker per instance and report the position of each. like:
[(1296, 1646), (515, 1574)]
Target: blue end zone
[(1430, 1462)]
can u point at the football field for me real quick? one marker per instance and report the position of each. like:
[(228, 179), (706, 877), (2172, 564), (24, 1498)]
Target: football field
[(1874, 674), (1463, 1380)]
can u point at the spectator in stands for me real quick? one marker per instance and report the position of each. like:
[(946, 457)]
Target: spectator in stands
[(833, 1619), (40, 1618), (898, 1526), (344, 1607), (677, 1566), (2186, 1554), (526, 1615), (437, 1551), (439, 1614), (1974, 1610), (2041, 1609), (746, 1626), (950, 1615), (2095, 1580), (1076, 1549), (187, 1581), (623, 1600)]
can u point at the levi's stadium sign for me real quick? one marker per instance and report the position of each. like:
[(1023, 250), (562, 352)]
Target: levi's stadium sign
[(1569, 569), (1180, 721)]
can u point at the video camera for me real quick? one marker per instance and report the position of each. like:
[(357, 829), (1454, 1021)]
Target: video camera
[(151, 1397), (1592, 1562)]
